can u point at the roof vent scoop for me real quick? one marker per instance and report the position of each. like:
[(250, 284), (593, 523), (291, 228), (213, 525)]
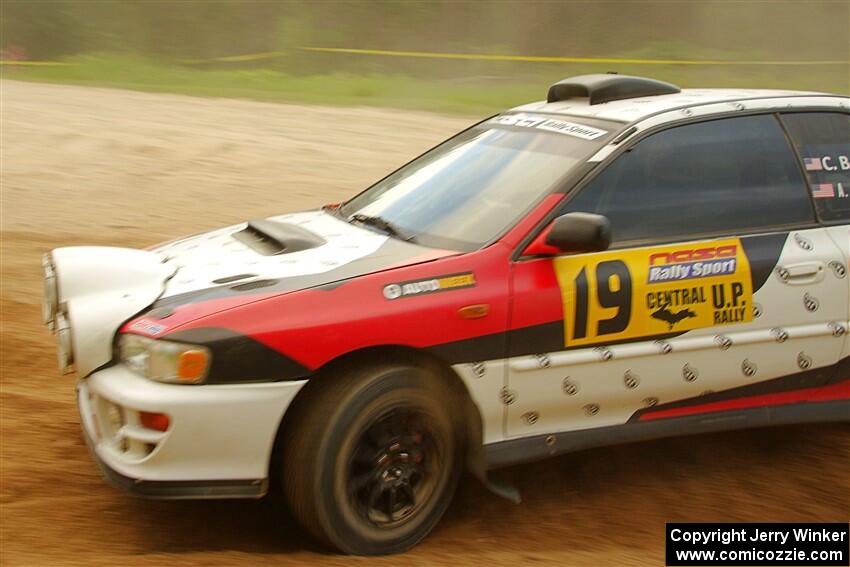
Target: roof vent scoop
[(607, 87)]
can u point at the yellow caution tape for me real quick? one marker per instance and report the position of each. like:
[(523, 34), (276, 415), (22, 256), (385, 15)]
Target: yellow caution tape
[(544, 59), (236, 58), (467, 56), (35, 63)]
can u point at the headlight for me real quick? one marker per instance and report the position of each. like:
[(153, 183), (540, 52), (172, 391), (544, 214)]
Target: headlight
[(164, 361), (50, 301), (66, 345)]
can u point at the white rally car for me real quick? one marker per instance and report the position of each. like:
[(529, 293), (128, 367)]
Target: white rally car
[(625, 260)]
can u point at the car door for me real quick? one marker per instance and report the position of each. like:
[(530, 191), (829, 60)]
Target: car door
[(822, 140), (717, 286)]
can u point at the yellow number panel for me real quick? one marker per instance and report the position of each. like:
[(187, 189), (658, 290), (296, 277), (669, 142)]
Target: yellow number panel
[(628, 294)]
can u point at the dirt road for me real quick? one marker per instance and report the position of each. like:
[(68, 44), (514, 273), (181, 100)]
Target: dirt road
[(96, 166)]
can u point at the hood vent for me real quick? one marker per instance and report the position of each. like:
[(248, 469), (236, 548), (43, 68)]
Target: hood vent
[(236, 278), (160, 312), (271, 238), (257, 284)]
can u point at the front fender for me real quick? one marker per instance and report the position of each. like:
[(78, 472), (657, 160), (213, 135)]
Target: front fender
[(100, 287)]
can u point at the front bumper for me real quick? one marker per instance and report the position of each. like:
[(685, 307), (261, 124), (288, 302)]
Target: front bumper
[(218, 443)]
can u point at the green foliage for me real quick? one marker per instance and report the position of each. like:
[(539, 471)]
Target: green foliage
[(146, 44), (269, 85), (480, 95)]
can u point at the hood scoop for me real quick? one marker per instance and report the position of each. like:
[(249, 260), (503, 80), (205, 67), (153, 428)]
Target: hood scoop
[(271, 238), (256, 284), (231, 279)]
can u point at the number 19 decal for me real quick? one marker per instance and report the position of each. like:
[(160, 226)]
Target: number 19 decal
[(614, 296), (613, 290)]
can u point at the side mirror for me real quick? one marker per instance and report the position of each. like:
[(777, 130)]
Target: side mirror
[(572, 232), (580, 232)]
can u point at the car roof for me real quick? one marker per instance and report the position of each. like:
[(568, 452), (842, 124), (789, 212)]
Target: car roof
[(633, 109)]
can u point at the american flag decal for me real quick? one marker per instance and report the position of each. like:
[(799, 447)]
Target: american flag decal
[(813, 164), (823, 191)]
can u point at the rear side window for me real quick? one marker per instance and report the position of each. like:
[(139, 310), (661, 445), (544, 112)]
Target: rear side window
[(723, 176), (823, 141)]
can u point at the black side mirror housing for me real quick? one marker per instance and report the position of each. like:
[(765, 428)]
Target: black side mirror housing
[(580, 232)]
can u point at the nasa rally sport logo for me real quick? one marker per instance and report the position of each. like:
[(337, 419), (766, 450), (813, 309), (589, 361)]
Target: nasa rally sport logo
[(692, 263), (431, 285)]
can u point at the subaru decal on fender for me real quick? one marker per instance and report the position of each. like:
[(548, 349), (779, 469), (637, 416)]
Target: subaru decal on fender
[(628, 294)]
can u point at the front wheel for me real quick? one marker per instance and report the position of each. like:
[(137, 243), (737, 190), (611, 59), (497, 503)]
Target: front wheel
[(372, 459)]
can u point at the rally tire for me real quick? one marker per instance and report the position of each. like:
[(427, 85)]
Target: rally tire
[(372, 458)]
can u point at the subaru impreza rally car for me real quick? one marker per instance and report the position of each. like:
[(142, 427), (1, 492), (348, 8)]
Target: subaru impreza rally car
[(626, 260)]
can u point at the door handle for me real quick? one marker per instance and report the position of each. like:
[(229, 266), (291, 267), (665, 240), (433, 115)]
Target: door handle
[(803, 273)]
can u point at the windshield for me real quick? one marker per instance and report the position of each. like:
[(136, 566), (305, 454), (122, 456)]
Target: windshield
[(467, 191)]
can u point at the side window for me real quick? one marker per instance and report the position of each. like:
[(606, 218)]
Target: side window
[(727, 175), (823, 141)]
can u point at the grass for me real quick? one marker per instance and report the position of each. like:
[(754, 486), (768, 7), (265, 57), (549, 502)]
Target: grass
[(493, 86)]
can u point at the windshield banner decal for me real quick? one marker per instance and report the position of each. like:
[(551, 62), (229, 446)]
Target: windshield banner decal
[(550, 125)]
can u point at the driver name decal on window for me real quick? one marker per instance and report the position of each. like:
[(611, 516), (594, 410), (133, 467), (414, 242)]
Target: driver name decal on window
[(551, 125), (822, 140), (628, 294), (828, 175)]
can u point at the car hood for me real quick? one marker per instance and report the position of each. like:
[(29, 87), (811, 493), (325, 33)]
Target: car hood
[(279, 254), (93, 291)]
